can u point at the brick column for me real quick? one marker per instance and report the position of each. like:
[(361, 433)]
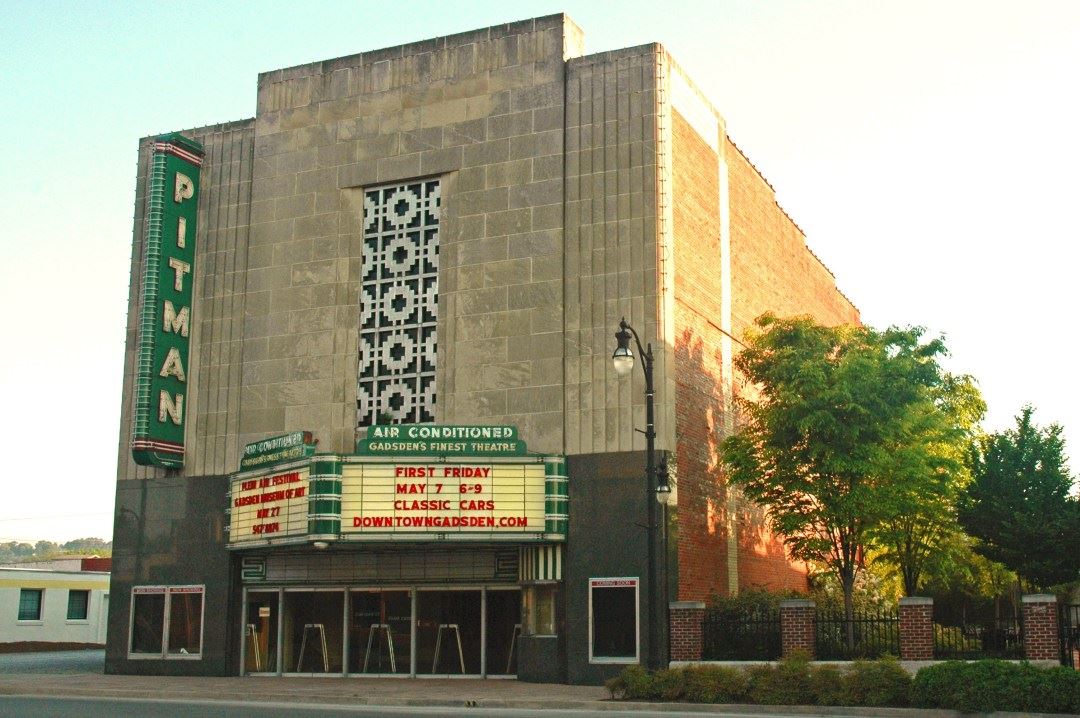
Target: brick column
[(916, 628), (797, 626), (1040, 631), (686, 630)]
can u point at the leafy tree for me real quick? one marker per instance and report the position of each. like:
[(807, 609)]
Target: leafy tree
[(818, 449), (1019, 506), (930, 470)]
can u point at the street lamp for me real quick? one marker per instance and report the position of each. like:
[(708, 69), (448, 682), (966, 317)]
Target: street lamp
[(623, 361)]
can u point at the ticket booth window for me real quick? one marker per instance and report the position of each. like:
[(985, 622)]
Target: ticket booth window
[(539, 609)]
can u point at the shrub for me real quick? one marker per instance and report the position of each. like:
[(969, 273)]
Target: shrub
[(876, 683), (666, 685), (786, 684), (715, 684), (633, 682), (984, 686), (1059, 691), (826, 683)]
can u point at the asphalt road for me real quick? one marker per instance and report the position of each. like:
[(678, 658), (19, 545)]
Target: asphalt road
[(43, 707), (92, 661)]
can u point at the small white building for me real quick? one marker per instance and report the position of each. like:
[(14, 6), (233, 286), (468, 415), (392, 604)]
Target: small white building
[(53, 606)]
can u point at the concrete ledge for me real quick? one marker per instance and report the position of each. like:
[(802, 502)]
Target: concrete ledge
[(797, 603), (674, 605), (916, 601), (1039, 598)]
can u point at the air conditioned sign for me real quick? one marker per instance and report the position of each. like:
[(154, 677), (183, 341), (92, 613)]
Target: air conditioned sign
[(165, 320)]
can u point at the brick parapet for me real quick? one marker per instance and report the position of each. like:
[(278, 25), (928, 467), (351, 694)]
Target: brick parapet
[(1041, 637), (916, 628), (686, 630), (797, 626)]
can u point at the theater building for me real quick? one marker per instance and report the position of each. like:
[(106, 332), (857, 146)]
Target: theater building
[(370, 421)]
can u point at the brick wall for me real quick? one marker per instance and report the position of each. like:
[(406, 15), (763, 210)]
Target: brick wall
[(772, 269), (1041, 636), (686, 619), (797, 626), (916, 628), (698, 376)]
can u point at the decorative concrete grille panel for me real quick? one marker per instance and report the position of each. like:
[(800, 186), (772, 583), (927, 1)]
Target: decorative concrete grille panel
[(399, 297)]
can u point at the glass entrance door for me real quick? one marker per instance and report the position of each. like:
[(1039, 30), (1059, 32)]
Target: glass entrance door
[(503, 631), (448, 632), (379, 632), (261, 632), (312, 626)]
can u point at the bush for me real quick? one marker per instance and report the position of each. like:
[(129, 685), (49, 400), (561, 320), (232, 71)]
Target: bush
[(826, 683), (984, 686), (715, 684), (786, 684), (876, 683), (633, 683), (666, 685)]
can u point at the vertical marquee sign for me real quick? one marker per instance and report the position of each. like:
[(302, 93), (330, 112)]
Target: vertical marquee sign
[(165, 322)]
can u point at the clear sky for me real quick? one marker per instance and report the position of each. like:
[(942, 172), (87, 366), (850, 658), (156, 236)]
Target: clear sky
[(928, 148)]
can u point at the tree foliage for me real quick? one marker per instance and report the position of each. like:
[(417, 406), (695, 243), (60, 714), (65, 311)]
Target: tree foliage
[(1019, 505), (930, 470), (838, 434), (21, 552)]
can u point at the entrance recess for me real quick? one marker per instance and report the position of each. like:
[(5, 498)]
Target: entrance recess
[(430, 631)]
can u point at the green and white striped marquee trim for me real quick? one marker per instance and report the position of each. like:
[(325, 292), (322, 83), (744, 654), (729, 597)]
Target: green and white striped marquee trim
[(540, 563), (556, 495), (324, 498)]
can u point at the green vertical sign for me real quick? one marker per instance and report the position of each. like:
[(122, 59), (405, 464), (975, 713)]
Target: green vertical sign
[(165, 323)]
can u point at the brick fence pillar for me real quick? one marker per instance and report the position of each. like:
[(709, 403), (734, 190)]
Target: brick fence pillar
[(686, 630), (1040, 629), (916, 628), (797, 626)]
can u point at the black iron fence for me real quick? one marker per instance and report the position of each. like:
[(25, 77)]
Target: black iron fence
[(964, 631), (741, 636), (870, 634), (1069, 622)]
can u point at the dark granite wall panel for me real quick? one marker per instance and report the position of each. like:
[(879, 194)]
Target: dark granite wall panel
[(606, 538), (171, 531)]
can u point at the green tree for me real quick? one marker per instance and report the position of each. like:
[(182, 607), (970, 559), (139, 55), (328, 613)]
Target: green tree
[(818, 447), (1019, 506), (929, 472)]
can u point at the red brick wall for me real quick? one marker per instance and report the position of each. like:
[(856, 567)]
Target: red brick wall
[(772, 270), (698, 391)]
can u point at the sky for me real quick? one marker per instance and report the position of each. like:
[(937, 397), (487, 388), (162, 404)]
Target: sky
[(928, 149)]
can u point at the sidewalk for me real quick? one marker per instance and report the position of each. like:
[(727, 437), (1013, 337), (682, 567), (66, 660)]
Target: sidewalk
[(477, 693)]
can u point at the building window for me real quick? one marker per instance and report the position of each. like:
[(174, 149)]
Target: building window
[(538, 607), (30, 604), (166, 621), (613, 620), (399, 296), (78, 605)]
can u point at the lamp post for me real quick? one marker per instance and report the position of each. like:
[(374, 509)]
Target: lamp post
[(623, 359)]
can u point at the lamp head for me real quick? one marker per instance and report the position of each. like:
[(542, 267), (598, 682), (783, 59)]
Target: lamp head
[(663, 483), (623, 357)]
